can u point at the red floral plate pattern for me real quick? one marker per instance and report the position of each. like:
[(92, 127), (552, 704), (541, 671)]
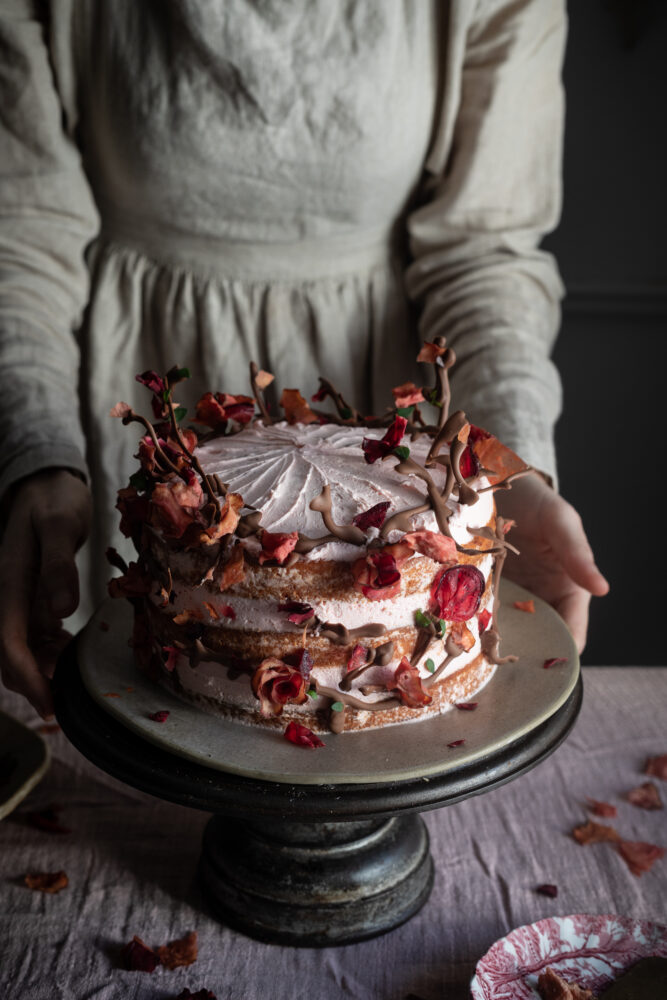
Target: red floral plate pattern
[(585, 948)]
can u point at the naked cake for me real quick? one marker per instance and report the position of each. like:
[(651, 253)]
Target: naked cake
[(319, 569)]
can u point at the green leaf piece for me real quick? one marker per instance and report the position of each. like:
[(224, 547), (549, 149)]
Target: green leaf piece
[(405, 411), (139, 480), (337, 706), (346, 413), (402, 452), (311, 692), (180, 413), (443, 625), (166, 395), (422, 620), (430, 665)]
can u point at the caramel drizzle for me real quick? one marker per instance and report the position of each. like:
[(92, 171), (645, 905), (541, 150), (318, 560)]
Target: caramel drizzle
[(452, 650), (346, 532), (407, 466), (347, 413), (259, 396), (340, 635), (490, 639)]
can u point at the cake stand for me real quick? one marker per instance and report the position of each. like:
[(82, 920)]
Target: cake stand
[(317, 847)]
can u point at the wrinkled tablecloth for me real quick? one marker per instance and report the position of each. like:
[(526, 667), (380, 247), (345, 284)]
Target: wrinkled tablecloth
[(131, 862)]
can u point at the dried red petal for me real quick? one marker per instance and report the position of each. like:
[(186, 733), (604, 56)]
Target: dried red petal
[(227, 611), (646, 796), (377, 576), (210, 412), (136, 582), (638, 856), (276, 545), (139, 957), (499, 460), (374, 449), (152, 381), (456, 593), (594, 833), (466, 706), (547, 890), (601, 808), (202, 994), (528, 606), (301, 736), (484, 617), (357, 658), (440, 548), (407, 394), (169, 655), (121, 410), (160, 716), (409, 685), (47, 820), (297, 410), (238, 408), (430, 352), (551, 986), (177, 953), (456, 743), (656, 767), (51, 882), (553, 661), (374, 517), (462, 636), (302, 660), (134, 510), (276, 683), (298, 611), (173, 506)]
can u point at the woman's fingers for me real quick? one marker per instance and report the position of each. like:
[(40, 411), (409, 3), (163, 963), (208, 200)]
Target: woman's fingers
[(566, 535), (573, 609), (59, 579)]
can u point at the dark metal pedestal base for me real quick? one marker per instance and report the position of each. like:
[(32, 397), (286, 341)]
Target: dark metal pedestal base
[(316, 884), (311, 865)]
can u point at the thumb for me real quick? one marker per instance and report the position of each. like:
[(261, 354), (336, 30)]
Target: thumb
[(574, 551), (59, 579)]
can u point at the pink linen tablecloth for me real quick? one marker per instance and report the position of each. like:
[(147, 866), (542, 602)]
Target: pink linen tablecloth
[(131, 863)]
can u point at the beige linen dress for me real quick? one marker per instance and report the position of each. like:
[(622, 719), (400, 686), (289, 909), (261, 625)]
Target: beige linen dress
[(313, 184)]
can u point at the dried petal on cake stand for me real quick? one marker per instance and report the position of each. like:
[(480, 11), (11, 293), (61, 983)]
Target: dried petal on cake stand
[(456, 743), (527, 606), (605, 809), (374, 449), (638, 856), (407, 394), (298, 611), (301, 736), (374, 517), (646, 796), (594, 833), (441, 548), (160, 716), (409, 686), (553, 661), (277, 546), (466, 706), (169, 654), (178, 953), (297, 410), (457, 592), (656, 767), (276, 684)]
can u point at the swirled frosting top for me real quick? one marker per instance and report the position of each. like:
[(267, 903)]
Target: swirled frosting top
[(282, 468)]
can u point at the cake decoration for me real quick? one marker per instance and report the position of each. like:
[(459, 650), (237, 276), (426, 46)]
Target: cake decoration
[(310, 568)]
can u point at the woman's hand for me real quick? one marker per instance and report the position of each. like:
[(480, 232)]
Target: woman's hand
[(556, 562), (48, 520)]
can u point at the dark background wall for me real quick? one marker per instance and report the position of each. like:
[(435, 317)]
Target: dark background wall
[(611, 247)]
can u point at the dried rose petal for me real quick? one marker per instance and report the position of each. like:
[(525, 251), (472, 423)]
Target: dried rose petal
[(210, 412), (466, 706), (656, 767), (551, 986), (554, 660), (47, 820), (136, 582), (227, 611), (497, 458), (374, 517), (139, 957), (484, 617), (177, 953), (430, 352), (302, 661), (528, 606), (301, 736), (358, 657), (298, 611), (160, 716), (456, 593), (638, 856), (277, 545), (121, 410), (263, 379), (233, 571), (407, 394), (152, 381), (594, 833), (456, 743), (169, 655), (462, 636), (276, 683), (436, 546), (50, 882), (238, 408), (468, 463), (646, 796), (601, 808), (377, 576), (547, 890), (409, 685), (374, 449), (297, 410)]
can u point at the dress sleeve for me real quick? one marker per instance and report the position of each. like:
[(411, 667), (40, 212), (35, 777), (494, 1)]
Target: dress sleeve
[(476, 269), (47, 217)]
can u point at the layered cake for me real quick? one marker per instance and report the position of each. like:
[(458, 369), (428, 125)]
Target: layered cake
[(316, 569)]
